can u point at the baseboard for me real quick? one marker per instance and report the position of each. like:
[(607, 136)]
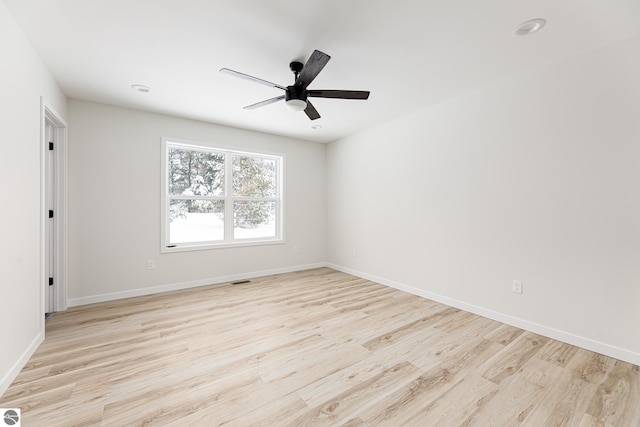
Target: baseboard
[(569, 338), (73, 302), (11, 375)]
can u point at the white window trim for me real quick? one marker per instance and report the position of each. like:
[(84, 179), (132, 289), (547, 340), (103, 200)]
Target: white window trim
[(227, 243)]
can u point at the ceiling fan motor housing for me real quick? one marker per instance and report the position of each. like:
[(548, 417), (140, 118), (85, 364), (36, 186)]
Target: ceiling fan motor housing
[(294, 92)]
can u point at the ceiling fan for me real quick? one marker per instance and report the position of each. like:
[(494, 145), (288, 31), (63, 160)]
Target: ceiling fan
[(296, 96)]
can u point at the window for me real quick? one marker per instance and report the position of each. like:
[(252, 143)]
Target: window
[(216, 197)]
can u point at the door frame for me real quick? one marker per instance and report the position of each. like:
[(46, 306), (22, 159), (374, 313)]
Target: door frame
[(49, 116)]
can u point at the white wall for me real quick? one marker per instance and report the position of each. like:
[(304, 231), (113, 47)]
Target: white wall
[(114, 205), (534, 179), (23, 80)]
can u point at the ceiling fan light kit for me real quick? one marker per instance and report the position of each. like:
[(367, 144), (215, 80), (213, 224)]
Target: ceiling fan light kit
[(296, 96), (296, 104)]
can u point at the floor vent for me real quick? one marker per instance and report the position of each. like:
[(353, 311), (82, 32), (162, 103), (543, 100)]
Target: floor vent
[(241, 282)]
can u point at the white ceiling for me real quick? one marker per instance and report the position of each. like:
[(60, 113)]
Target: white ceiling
[(410, 54)]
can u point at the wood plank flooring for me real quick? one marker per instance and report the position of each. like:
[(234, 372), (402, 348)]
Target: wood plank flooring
[(316, 347)]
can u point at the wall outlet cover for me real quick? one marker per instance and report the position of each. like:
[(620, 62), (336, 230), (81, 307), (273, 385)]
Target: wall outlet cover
[(516, 287)]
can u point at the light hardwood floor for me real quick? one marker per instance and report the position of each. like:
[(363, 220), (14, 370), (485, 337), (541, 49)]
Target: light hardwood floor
[(317, 347)]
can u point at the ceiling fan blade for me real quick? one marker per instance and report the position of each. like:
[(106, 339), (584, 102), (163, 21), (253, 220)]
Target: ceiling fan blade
[(263, 103), (342, 94), (311, 111), (250, 78), (312, 68)]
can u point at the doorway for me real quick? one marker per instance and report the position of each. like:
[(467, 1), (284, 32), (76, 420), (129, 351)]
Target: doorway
[(53, 172)]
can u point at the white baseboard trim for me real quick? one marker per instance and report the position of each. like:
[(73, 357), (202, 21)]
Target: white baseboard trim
[(74, 302), (569, 338), (11, 375)]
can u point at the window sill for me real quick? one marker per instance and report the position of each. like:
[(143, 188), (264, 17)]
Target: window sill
[(210, 246)]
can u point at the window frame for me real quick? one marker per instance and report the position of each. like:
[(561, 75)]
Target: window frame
[(229, 241)]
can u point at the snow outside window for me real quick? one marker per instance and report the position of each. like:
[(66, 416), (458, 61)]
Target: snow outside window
[(217, 197)]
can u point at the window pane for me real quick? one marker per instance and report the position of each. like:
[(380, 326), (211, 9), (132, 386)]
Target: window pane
[(195, 173), (254, 219), (254, 177), (192, 221)]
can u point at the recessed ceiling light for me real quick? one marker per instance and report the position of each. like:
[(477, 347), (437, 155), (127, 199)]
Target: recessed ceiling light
[(529, 27), (316, 127), (141, 88)]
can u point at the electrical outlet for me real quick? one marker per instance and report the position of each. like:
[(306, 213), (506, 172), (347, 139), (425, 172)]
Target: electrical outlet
[(296, 249), (151, 264), (516, 287)]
